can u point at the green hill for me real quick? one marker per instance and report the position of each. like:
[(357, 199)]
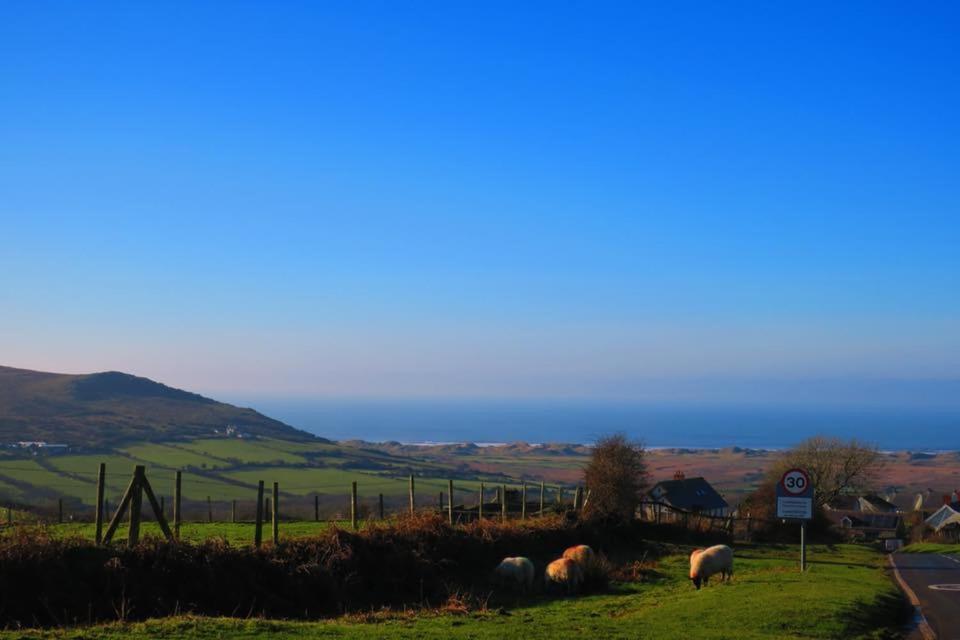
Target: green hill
[(112, 408)]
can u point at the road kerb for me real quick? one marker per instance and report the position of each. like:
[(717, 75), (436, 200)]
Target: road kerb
[(924, 627)]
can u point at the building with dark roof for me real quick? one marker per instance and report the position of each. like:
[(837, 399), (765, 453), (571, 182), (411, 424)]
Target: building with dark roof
[(689, 494), (870, 503)]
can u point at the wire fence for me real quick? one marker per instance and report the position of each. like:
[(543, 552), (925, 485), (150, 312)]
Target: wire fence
[(356, 503)]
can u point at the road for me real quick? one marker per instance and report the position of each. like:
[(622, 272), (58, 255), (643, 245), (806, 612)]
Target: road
[(935, 581)]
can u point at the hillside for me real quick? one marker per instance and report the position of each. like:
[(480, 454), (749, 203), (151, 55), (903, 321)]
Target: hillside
[(112, 408)]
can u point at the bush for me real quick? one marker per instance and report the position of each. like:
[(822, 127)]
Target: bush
[(419, 560)]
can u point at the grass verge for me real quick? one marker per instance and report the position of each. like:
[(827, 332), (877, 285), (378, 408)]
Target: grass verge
[(845, 594)]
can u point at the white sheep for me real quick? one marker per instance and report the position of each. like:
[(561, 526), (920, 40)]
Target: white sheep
[(564, 574), (515, 572), (582, 555), (716, 559)]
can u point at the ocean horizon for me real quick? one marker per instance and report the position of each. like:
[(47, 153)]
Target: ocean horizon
[(657, 426)]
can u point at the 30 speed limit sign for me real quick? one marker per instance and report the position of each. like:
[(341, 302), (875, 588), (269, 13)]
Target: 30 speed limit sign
[(796, 482), (795, 496)]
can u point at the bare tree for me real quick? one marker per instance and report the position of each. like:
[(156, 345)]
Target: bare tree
[(616, 477), (835, 466)]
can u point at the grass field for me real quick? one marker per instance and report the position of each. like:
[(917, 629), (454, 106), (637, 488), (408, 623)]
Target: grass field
[(845, 594), (931, 547), (237, 534), (227, 469)]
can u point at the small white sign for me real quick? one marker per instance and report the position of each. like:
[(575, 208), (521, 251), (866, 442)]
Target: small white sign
[(795, 508)]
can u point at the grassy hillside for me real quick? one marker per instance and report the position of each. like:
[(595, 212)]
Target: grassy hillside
[(107, 409)]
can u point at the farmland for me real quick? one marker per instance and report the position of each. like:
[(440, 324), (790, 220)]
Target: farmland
[(845, 594), (226, 470)]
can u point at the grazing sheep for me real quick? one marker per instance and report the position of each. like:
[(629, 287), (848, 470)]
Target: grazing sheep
[(514, 572), (716, 559), (563, 574), (582, 555)]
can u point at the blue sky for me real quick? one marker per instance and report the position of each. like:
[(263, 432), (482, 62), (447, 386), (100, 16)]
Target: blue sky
[(748, 202)]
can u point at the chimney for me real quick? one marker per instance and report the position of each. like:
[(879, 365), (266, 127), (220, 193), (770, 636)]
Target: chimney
[(679, 475)]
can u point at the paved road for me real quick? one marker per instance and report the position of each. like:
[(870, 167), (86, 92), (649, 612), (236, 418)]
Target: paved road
[(935, 580)]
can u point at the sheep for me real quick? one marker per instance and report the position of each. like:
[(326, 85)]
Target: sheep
[(582, 555), (716, 559), (515, 572), (695, 553), (563, 574)]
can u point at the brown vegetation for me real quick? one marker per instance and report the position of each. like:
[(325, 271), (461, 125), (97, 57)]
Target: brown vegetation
[(419, 561), (616, 476)]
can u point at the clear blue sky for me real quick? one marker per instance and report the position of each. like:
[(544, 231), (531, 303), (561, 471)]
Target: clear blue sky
[(630, 200)]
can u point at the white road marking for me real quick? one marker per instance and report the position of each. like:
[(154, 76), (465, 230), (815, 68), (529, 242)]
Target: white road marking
[(945, 587)]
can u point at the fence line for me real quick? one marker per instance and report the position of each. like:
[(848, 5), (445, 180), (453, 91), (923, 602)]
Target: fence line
[(507, 502)]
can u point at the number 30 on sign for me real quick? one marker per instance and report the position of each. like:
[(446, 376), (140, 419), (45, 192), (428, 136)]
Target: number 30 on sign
[(796, 482)]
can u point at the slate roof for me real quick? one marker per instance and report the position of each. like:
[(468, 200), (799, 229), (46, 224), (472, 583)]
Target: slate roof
[(691, 494), (942, 517), (870, 503)]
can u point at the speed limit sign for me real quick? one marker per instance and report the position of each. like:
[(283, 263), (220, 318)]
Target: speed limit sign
[(796, 482), (795, 496)]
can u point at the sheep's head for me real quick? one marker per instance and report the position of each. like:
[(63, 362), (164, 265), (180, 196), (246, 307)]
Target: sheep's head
[(696, 580)]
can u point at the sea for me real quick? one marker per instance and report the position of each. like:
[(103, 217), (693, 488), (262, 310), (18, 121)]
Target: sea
[(485, 421)]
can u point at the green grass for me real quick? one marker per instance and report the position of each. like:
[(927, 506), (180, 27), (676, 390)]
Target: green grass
[(845, 594), (931, 547), (237, 534), (247, 451)]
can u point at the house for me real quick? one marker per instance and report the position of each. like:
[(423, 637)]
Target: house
[(866, 526), (946, 519), (689, 494), (869, 503)]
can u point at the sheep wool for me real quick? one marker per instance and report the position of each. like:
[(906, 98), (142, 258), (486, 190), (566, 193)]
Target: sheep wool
[(581, 554), (564, 574), (709, 562), (517, 572)]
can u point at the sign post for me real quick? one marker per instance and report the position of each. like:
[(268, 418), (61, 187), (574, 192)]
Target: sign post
[(795, 502)]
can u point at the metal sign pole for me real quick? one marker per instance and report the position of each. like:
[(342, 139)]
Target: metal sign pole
[(803, 546)]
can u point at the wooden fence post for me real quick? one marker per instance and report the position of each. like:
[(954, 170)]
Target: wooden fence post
[(98, 516), (541, 497), (209, 510), (177, 500), (136, 504), (353, 504), (316, 508), (9, 515), (450, 502), (412, 502), (480, 505), (503, 503), (258, 520), (163, 505), (560, 497), (157, 511), (380, 504), (233, 511), (60, 510), (523, 501), (276, 513), (577, 498), (267, 510)]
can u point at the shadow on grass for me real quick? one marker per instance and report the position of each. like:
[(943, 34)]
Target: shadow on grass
[(883, 618)]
